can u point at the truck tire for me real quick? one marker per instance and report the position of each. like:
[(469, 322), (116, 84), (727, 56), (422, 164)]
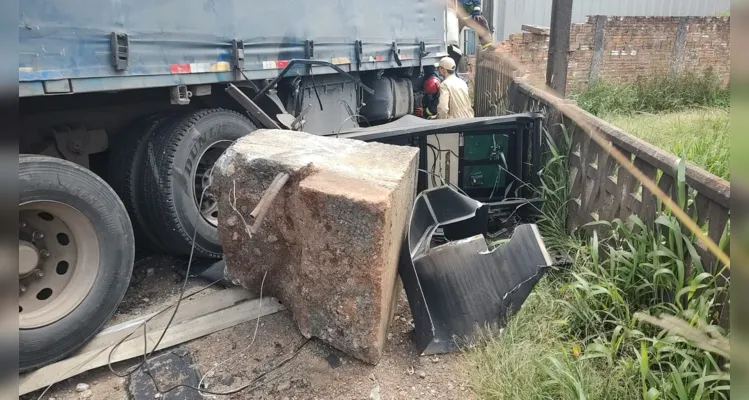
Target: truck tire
[(76, 251), (125, 175), (179, 158)]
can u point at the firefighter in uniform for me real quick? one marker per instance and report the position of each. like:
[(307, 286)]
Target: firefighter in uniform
[(431, 95), (473, 11)]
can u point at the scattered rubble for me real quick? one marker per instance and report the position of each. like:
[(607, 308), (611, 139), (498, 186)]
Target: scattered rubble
[(330, 240), (285, 385), (334, 361)]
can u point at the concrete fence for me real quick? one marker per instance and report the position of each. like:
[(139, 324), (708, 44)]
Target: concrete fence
[(599, 188)]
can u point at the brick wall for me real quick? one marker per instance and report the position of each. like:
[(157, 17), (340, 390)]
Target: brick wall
[(619, 49)]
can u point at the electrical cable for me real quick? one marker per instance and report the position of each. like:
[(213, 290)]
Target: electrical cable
[(254, 86), (439, 154), (176, 305), (434, 163), (349, 118), (496, 181), (500, 167), (254, 335), (143, 323), (239, 389), (147, 355), (443, 181), (314, 86)]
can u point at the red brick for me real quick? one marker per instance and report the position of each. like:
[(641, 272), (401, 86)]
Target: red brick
[(652, 38)]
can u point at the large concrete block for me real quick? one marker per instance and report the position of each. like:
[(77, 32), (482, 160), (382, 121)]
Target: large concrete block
[(331, 239)]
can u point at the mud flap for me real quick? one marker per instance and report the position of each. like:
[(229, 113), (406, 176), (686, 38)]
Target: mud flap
[(456, 287)]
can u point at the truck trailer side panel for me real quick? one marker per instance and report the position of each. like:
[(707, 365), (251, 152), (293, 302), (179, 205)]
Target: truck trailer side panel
[(66, 46)]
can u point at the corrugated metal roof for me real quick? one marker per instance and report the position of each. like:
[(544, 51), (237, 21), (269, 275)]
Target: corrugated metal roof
[(510, 15)]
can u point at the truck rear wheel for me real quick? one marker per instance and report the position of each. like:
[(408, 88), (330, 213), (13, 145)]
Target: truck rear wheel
[(76, 252), (126, 165), (177, 176)]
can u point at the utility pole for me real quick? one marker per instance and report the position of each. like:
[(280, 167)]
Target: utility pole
[(559, 46)]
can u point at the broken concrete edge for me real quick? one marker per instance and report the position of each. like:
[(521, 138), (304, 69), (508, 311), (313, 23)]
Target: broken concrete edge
[(371, 184), (536, 29)]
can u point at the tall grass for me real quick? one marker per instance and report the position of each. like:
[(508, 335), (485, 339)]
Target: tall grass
[(701, 136), (683, 114), (655, 94), (578, 337)]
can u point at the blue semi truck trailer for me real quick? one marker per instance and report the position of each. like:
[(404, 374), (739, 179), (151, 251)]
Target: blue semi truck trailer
[(125, 106)]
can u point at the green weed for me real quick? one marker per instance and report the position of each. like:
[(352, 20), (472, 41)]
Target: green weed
[(578, 335), (702, 135), (655, 94)]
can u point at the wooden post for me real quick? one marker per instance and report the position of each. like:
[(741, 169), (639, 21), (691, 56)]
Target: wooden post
[(559, 46)]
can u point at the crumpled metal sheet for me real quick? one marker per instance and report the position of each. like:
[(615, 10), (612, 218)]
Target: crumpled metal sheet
[(456, 287)]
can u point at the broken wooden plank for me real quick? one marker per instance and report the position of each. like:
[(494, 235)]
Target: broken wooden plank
[(191, 307), (182, 332)]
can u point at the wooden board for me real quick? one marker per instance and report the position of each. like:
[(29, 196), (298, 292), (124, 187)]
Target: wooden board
[(188, 329), (191, 307)]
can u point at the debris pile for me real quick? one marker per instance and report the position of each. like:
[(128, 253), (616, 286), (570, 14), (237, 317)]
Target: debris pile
[(330, 240)]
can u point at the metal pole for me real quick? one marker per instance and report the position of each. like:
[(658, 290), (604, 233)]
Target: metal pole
[(559, 46)]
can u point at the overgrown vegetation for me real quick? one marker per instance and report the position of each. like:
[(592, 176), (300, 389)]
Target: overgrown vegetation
[(655, 94), (577, 336), (686, 115), (701, 136)]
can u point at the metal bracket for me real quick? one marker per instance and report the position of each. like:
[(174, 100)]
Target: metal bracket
[(358, 52), (179, 95), (284, 117), (252, 107), (309, 49), (76, 143), (396, 54), (422, 53), (309, 54), (120, 51), (237, 54), (298, 123)]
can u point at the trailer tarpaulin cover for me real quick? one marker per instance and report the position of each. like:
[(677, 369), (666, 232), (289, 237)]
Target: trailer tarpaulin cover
[(61, 39)]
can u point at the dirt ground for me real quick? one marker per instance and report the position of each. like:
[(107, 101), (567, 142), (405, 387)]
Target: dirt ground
[(317, 371)]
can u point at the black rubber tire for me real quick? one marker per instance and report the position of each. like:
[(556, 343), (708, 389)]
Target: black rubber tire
[(171, 154), (47, 178), (125, 174)]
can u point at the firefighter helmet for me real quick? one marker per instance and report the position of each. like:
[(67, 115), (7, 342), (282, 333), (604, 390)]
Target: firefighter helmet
[(432, 85)]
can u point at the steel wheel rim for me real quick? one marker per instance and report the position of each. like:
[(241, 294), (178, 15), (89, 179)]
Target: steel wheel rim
[(63, 245), (208, 209)]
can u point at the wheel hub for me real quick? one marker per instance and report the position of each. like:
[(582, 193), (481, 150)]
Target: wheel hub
[(28, 258), (202, 183), (58, 261)]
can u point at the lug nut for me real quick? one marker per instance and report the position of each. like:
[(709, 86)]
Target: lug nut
[(22, 224), (22, 288), (37, 235), (39, 273), (44, 253)]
